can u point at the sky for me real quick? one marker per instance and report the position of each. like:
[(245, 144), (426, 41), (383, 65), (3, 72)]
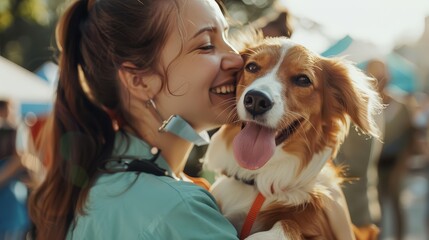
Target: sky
[(385, 23)]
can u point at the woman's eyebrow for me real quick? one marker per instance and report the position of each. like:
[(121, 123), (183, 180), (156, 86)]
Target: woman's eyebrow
[(208, 29), (204, 29)]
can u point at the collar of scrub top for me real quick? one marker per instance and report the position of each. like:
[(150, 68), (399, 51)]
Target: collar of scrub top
[(181, 128)]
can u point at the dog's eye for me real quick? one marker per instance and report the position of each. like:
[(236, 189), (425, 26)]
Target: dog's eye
[(252, 67), (302, 80)]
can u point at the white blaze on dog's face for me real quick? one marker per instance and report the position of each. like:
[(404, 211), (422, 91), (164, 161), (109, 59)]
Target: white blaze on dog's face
[(292, 98)]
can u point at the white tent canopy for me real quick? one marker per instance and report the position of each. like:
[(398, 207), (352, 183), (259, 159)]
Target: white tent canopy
[(19, 84)]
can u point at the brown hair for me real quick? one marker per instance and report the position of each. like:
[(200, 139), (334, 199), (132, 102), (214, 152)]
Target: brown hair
[(94, 40)]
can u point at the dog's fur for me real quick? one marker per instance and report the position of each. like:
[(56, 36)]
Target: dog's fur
[(299, 182)]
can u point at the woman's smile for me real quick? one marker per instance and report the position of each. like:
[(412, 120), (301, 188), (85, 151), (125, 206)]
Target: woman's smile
[(223, 89)]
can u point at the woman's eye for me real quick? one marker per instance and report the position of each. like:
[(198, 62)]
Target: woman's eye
[(207, 47), (252, 67), (302, 80)]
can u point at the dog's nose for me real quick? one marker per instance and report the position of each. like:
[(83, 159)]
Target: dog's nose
[(257, 102)]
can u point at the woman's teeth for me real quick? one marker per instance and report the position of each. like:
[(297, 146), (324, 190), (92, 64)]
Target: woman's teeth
[(226, 89)]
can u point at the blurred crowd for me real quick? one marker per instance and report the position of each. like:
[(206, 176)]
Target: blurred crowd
[(376, 171)]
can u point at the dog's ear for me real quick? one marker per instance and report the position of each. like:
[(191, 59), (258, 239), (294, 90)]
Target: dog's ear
[(246, 37), (348, 90)]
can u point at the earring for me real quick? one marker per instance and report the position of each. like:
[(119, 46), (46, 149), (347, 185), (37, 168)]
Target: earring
[(151, 104)]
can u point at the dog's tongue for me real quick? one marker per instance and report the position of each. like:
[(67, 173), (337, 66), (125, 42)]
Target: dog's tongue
[(254, 146)]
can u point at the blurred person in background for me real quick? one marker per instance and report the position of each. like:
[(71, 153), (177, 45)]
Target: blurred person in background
[(14, 220), (421, 124), (398, 146), (421, 121), (359, 156)]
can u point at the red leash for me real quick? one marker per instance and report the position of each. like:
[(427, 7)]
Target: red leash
[(251, 216)]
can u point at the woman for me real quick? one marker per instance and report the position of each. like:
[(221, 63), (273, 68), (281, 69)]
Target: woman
[(127, 66)]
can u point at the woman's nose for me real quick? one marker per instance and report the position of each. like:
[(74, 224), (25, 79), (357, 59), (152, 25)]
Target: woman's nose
[(232, 60)]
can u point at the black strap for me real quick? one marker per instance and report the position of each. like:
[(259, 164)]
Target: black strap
[(146, 167), (131, 164)]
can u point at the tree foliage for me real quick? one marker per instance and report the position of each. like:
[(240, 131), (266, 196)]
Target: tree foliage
[(246, 11), (26, 30), (27, 26)]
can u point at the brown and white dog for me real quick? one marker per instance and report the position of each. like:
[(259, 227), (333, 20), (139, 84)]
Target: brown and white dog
[(294, 109)]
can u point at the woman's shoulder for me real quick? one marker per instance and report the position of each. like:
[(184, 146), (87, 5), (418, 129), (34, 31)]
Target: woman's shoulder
[(145, 189), (152, 206)]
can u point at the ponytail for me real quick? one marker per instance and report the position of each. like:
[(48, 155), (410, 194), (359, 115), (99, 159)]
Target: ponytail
[(95, 37), (82, 136)]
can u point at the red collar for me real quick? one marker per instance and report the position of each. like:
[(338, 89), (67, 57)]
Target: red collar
[(251, 216)]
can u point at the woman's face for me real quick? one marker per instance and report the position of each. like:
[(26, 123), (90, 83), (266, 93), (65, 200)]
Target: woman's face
[(199, 61)]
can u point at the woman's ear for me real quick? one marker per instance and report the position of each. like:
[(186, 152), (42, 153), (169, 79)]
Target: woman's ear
[(139, 84)]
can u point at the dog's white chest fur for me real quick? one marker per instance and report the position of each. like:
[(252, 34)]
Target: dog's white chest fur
[(280, 180), (234, 199)]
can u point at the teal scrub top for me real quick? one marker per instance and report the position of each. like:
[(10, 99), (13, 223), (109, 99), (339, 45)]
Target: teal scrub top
[(127, 205)]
